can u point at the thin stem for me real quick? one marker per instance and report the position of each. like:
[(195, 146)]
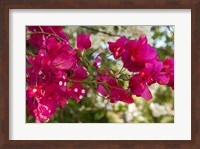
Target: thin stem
[(121, 70), (93, 52), (109, 55), (29, 33), (103, 32), (100, 54), (58, 63), (29, 52), (42, 34), (94, 82)]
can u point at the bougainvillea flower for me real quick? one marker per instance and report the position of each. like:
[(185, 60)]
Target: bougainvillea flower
[(116, 92), (39, 104), (38, 39), (38, 72), (59, 80), (140, 50), (107, 78), (151, 73), (44, 111), (55, 73), (58, 30), (171, 82), (160, 71), (102, 90), (51, 95), (83, 42), (64, 62), (62, 101), (54, 47), (40, 60), (57, 91), (61, 55), (117, 47), (34, 91), (137, 54), (168, 66), (78, 73), (120, 94), (132, 66), (77, 91), (168, 70), (156, 71), (139, 88)]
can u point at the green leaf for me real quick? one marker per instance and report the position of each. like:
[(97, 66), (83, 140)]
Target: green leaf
[(121, 83), (99, 115), (123, 76), (79, 53), (116, 29), (102, 69), (92, 68)]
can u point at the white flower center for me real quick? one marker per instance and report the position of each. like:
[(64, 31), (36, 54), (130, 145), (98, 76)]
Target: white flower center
[(42, 54), (63, 77), (60, 83), (65, 83), (34, 90), (82, 91), (80, 96), (40, 72), (76, 90)]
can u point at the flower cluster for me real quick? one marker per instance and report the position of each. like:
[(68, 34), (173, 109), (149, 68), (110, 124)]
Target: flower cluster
[(142, 60), (57, 72), (52, 71)]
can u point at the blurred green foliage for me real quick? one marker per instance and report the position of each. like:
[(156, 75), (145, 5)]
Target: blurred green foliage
[(93, 108)]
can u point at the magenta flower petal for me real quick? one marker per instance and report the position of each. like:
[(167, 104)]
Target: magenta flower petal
[(102, 90), (132, 66), (136, 85), (120, 94), (62, 102), (83, 42), (44, 112), (168, 70), (79, 73), (139, 87), (77, 92), (137, 54), (146, 94), (163, 79), (116, 92), (64, 62), (117, 47), (171, 82)]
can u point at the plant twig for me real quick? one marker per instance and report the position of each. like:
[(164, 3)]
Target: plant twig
[(30, 33), (103, 32)]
